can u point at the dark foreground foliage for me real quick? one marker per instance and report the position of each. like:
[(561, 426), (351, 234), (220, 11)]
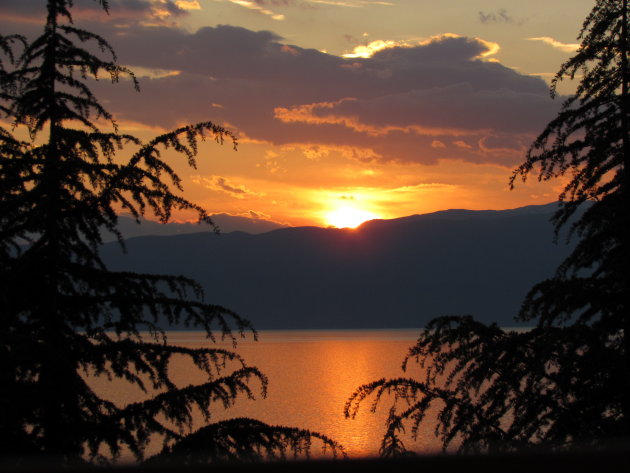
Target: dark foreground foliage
[(567, 381), (611, 460), (63, 314)]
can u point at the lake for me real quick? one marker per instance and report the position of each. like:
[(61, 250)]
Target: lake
[(311, 375)]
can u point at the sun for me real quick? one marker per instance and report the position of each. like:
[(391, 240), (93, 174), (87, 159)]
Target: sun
[(348, 217)]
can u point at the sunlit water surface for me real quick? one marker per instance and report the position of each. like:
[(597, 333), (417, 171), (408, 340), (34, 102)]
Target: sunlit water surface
[(311, 375)]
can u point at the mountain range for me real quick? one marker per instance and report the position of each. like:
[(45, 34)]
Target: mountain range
[(225, 223), (395, 273)]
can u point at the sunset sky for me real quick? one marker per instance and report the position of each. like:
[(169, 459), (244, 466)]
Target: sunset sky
[(388, 108)]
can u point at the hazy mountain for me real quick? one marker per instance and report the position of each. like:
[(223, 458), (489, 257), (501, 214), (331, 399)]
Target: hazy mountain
[(387, 273), (226, 223)]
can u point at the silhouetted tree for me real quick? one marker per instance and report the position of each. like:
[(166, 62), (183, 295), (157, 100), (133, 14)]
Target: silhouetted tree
[(566, 381), (63, 314)]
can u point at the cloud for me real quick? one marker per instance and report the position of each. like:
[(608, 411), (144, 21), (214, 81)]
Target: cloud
[(391, 106), (256, 215), (455, 110), (222, 184), (136, 9), (120, 11), (352, 3), (564, 47), (168, 8), (188, 4), (368, 50), (315, 152), (500, 16), (258, 6), (462, 144)]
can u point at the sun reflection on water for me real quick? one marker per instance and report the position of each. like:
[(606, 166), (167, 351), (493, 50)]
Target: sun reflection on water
[(311, 375)]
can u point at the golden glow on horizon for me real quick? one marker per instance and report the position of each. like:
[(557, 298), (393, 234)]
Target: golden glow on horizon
[(348, 217), (394, 164)]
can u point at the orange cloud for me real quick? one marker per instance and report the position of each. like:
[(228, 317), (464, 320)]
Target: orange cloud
[(316, 151), (564, 47), (188, 4), (305, 113), (308, 114), (462, 144)]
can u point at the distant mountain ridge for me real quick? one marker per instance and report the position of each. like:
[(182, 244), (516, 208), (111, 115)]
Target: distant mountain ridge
[(545, 209), (385, 274), (226, 223)]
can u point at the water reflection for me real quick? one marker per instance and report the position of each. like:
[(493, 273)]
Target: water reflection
[(311, 375)]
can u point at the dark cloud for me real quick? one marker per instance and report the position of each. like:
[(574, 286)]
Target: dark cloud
[(256, 215), (173, 9), (403, 103), (228, 52), (38, 7), (500, 16), (222, 184), (119, 10), (18, 8), (451, 107), (120, 5)]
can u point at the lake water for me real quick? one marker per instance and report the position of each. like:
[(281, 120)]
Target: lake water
[(311, 375)]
